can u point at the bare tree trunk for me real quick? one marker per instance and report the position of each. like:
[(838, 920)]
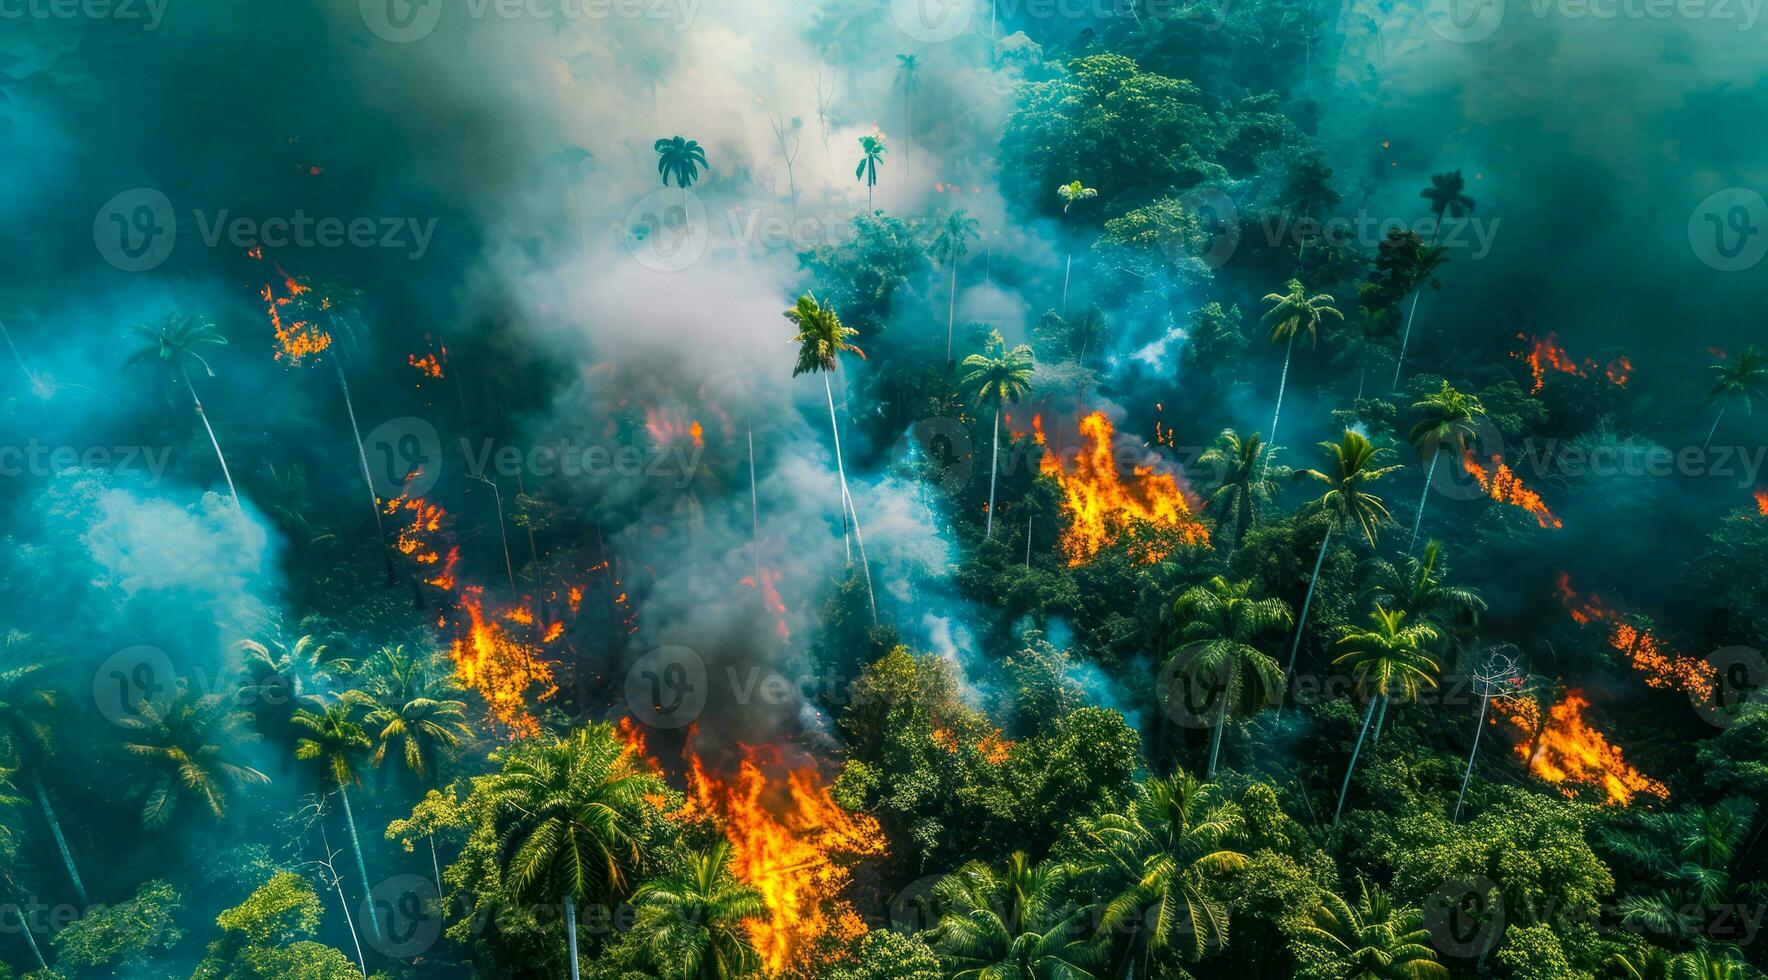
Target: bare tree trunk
[(201, 414), (994, 466), (847, 499), (374, 919), (1301, 624), (1471, 756), (61, 842), (571, 932), (1418, 520), (374, 500), (1346, 788)]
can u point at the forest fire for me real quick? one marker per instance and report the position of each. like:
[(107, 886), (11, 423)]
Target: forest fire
[(429, 365), (491, 660), (770, 597), (1762, 501), (294, 340), (1566, 752), (1544, 354), (666, 428), (786, 834), (1101, 509), (1639, 645), (1503, 485)]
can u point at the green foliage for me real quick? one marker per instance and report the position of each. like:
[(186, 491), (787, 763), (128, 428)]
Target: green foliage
[(128, 936), (266, 937), (887, 955)]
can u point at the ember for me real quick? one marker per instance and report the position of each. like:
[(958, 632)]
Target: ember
[(1637, 642)]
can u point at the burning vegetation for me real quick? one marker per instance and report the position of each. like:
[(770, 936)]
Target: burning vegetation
[(1503, 485), (1545, 355), (1640, 647), (1565, 751), (1151, 510)]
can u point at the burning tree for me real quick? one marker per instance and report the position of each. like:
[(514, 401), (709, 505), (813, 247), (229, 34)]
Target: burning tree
[(1562, 748), (1103, 510)]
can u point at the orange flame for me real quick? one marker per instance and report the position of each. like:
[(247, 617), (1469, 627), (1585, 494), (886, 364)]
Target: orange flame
[(1543, 354), (301, 338), (770, 597), (1504, 486), (492, 661), (428, 365), (665, 427), (1640, 646), (1101, 509), (1762, 501), (786, 835), (1568, 753)]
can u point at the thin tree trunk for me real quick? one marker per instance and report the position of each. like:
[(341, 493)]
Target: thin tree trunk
[(24, 926), (847, 500), (994, 465), (436, 867), (571, 932), (1215, 740), (61, 842), (1068, 268), (1028, 518), (1302, 624), (350, 921), (1400, 361), (951, 311), (201, 414), (374, 500), (1416, 521), (1282, 383), (1380, 719), (1346, 788), (1715, 428), (1471, 756), (374, 919), (755, 513), (1362, 376)]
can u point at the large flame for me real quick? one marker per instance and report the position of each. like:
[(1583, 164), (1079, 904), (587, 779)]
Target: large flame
[(492, 659), (1544, 354), (1639, 645), (1503, 485), (296, 338), (1101, 509), (791, 842), (1568, 753)]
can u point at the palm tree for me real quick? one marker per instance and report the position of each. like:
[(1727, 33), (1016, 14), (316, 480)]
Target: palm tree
[(1741, 380), (1010, 923), (1071, 194), (1424, 261), (286, 677), (173, 344), (28, 710), (1294, 312), (1449, 419), (568, 814), (1245, 482), (681, 159), (1372, 940), (1344, 503), (1692, 855), (1444, 195), (949, 247), (1421, 592), (1220, 626), (188, 741), (692, 921), (408, 710), (1385, 660), (1161, 860), (337, 742), (872, 144), (821, 339), (1000, 376)]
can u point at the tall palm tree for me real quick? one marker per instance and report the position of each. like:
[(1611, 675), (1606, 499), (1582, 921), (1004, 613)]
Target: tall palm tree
[(1294, 312), (1161, 861), (1000, 376), (1015, 922), (680, 159), (1424, 261), (1449, 420), (1344, 504), (949, 247), (692, 921), (188, 742), (1373, 940), (1420, 590), (29, 707), (337, 743), (1387, 659), (1445, 197), (569, 814), (1245, 481), (821, 339), (173, 344), (1741, 380), (1219, 625), (1071, 193), (407, 710), (872, 146)]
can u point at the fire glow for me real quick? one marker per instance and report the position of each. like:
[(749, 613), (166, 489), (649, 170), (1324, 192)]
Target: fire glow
[(1639, 645), (1101, 509), (298, 339), (1566, 752), (786, 835), (1544, 354), (1503, 485)]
